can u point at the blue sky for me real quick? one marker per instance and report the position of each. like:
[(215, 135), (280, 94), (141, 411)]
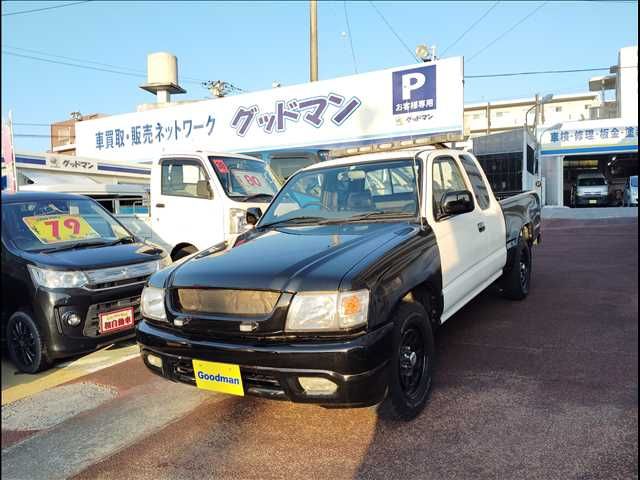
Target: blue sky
[(252, 44)]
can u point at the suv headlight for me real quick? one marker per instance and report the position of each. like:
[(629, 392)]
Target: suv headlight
[(57, 278), (152, 304), (331, 311), (237, 220)]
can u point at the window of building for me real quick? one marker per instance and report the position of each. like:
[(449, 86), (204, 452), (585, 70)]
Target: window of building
[(499, 114), (558, 109), (476, 116)]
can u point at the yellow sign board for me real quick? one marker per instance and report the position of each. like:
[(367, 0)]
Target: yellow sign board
[(218, 377), (60, 228)]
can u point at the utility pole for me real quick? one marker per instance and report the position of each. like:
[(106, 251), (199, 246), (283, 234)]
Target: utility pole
[(313, 40)]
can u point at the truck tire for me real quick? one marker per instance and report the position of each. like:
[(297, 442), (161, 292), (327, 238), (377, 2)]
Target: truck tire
[(515, 282), (25, 344), (412, 362)]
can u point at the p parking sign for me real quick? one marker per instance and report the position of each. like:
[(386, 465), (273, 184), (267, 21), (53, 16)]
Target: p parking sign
[(414, 90)]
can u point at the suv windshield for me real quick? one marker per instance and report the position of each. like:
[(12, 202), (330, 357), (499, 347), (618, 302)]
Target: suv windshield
[(59, 224), (244, 179), (591, 182), (348, 193)]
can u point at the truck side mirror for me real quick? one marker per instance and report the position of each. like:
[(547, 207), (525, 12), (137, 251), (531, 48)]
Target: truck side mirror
[(253, 215), (455, 203)]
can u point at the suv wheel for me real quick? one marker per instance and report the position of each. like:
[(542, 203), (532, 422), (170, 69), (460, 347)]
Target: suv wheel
[(25, 344), (412, 362)]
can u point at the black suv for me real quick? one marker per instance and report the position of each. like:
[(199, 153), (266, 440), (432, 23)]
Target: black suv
[(71, 277)]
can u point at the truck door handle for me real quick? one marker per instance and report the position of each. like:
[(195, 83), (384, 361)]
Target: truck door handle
[(481, 227), (160, 205)]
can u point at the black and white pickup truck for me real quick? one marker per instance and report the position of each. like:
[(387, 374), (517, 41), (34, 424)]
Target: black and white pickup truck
[(334, 295)]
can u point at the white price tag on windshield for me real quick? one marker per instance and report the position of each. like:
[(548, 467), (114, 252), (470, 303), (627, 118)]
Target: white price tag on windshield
[(252, 182)]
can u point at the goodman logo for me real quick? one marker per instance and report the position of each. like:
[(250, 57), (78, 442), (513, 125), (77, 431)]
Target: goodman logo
[(414, 90), (218, 378)]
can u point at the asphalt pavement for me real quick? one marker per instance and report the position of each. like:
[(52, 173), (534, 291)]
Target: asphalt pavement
[(544, 388)]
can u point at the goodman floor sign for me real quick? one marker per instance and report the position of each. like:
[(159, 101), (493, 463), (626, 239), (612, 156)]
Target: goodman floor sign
[(393, 104)]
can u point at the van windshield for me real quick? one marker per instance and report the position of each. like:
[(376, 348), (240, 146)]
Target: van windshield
[(591, 182), (245, 179), (54, 224)]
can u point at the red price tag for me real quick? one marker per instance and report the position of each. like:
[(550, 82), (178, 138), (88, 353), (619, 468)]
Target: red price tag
[(221, 166)]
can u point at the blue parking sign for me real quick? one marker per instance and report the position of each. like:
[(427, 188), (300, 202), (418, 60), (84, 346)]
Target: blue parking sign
[(414, 90)]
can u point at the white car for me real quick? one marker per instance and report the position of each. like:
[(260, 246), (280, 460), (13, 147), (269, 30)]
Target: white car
[(590, 189), (630, 196)]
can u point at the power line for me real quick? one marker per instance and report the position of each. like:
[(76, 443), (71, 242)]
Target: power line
[(34, 10), (506, 32), (86, 67), (471, 26), (411, 52), (31, 124), (540, 72), (353, 52), (141, 73)]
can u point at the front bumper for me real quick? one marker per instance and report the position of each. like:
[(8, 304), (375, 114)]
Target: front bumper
[(592, 201), (64, 340), (358, 366)]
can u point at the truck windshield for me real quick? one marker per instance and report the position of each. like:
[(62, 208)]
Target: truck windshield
[(591, 182), (49, 225), (245, 179), (347, 193)]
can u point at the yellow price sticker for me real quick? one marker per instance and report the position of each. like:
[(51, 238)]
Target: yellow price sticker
[(59, 228), (218, 377)]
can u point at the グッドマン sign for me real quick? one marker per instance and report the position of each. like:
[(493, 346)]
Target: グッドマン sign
[(394, 104)]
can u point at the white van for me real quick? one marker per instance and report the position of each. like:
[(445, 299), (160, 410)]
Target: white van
[(200, 199)]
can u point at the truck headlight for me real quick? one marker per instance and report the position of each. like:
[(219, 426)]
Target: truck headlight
[(152, 304), (327, 311), (237, 220), (57, 278)]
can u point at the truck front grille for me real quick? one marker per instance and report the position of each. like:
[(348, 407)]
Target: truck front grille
[(226, 301)]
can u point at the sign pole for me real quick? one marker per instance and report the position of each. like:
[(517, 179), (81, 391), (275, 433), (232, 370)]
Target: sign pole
[(313, 40), (8, 154)]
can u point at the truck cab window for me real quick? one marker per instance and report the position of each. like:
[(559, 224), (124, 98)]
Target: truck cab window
[(477, 183), (184, 178), (446, 178)]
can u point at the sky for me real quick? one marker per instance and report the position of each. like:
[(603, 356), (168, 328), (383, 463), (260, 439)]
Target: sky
[(253, 44)]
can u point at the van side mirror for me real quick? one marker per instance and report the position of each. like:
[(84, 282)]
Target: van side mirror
[(253, 215), (455, 203)]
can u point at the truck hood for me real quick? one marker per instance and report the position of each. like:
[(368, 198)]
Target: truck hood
[(96, 257), (293, 259)]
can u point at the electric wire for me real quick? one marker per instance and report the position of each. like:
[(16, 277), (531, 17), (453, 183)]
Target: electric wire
[(34, 10), (353, 52), (506, 32), (471, 27), (411, 52)]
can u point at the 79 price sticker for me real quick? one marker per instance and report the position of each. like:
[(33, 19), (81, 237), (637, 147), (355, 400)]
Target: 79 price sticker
[(59, 228)]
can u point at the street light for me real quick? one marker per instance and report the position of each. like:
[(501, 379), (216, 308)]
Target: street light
[(546, 99)]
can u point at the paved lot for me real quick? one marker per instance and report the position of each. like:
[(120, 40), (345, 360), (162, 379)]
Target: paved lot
[(546, 388)]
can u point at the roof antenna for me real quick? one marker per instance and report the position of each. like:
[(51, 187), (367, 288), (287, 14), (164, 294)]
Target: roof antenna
[(415, 175)]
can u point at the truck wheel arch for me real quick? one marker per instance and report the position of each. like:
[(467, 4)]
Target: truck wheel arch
[(429, 297)]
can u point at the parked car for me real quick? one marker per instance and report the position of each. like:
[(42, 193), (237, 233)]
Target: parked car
[(215, 190), (71, 277), (333, 297), (590, 189), (630, 196)]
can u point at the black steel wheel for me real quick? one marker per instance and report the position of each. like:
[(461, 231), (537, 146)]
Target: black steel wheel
[(25, 345), (515, 282), (413, 360)]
